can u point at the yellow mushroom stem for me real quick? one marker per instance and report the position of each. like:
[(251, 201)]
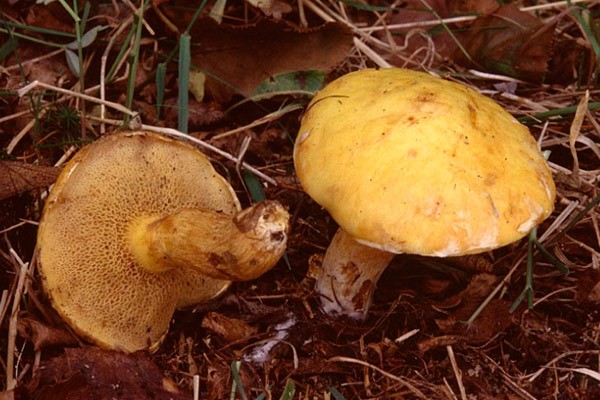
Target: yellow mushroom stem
[(234, 247), (348, 276)]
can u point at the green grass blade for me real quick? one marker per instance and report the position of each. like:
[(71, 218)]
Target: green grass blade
[(529, 276), (555, 261), (580, 215), (518, 300), (8, 47), (87, 39), (161, 77), (137, 21), (582, 16), (290, 83), (553, 113), (254, 186), (68, 9), (288, 391), (528, 290), (184, 81), (112, 71), (86, 13), (195, 16), (237, 381), (365, 7), (73, 62), (32, 39), (336, 394), (43, 31)]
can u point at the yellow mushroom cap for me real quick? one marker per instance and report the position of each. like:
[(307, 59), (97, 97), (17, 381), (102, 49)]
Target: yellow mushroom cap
[(88, 270), (410, 163)]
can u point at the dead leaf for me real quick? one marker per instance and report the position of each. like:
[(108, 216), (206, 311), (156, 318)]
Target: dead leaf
[(473, 263), (493, 319), (93, 373), (237, 59), (414, 40), (51, 16), (588, 286), (17, 177), (431, 285), (509, 42), (42, 335), (479, 287), (230, 329)]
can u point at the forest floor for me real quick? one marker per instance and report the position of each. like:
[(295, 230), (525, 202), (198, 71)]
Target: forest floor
[(438, 328)]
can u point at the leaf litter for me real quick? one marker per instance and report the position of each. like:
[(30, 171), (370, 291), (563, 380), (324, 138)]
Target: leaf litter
[(417, 342)]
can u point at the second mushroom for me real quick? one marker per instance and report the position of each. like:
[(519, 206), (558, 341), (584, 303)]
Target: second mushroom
[(406, 162)]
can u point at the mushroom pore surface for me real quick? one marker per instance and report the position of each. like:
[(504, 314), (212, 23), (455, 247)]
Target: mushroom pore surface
[(85, 261)]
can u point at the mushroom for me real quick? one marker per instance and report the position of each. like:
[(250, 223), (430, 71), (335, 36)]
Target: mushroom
[(138, 225), (406, 162)]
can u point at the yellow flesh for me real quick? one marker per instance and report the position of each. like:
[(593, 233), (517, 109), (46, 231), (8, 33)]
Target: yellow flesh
[(85, 260), (410, 163)]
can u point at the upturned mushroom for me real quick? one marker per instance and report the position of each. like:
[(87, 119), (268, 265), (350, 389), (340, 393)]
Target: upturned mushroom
[(406, 162), (138, 225)]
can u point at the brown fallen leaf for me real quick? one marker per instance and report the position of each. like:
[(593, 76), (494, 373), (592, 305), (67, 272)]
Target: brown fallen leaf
[(493, 319), (237, 59), (477, 289), (588, 287), (93, 373), (509, 42), (230, 329), (472, 263), (415, 39), (42, 335), (17, 177)]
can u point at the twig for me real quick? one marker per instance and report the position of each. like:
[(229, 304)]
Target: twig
[(535, 375), (404, 382), (405, 336), (24, 90), (3, 304), (35, 84), (196, 380), (11, 382), (103, 60), (201, 143), (454, 20), (262, 120), (457, 373), (166, 131), (34, 60), (15, 141), (376, 58)]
